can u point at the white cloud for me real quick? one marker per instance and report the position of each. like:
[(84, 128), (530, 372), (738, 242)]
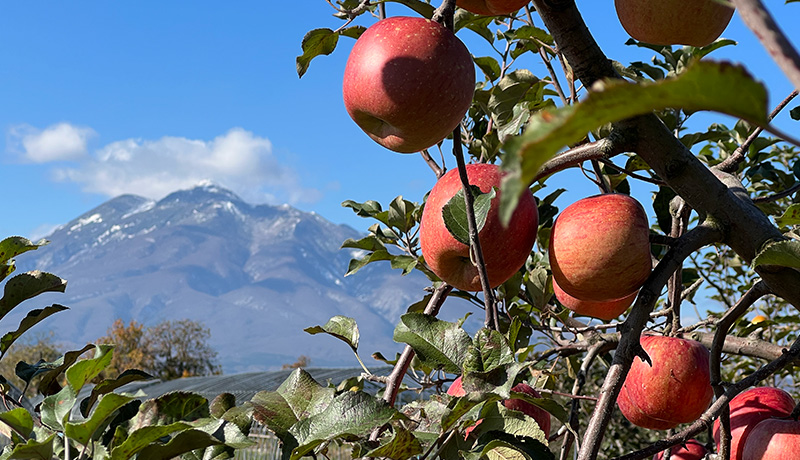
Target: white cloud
[(238, 160), (58, 142)]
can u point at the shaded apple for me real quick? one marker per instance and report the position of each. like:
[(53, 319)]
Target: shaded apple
[(675, 389), (749, 408), (693, 450), (600, 247), (674, 22), (408, 83), (541, 416), (505, 249), (492, 7), (773, 439), (605, 310)]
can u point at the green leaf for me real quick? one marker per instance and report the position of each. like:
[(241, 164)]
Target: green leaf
[(34, 449), (143, 437), (489, 352), (504, 103), (176, 406), (341, 327), (15, 245), (33, 318), (315, 43), (87, 430), (454, 212), (27, 286), (420, 7), (401, 446), (784, 253), (366, 209), (19, 420), (501, 446), (107, 386), (795, 112), (488, 66), (349, 415), (438, 343), (497, 418), (204, 435), (49, 385), (790, 217), (357, 264), (705, 85)]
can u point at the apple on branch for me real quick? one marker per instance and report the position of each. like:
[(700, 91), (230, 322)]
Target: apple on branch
[(408, 83), (675, 389), (600, 248), (693, 450), (674, 22), (748, 409), (604, 309), (541, 416), (505, 249), (492, 7), (773, 439)]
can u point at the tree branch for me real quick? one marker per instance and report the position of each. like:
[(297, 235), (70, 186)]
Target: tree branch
[(771, 37)]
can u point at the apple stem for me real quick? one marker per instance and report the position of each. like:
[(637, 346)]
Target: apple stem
[(602, 182)]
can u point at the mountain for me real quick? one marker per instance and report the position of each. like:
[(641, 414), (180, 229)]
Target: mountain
[(255, 275)]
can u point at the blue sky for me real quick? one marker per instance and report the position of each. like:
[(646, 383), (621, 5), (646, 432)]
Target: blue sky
[(102, 98)]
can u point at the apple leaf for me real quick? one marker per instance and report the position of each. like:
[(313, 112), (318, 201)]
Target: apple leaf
[(438, 344), (349, 415), (497, 418), (323, 41), (19, 420), (784, 253), (795, 112), (790, 217), (488, 66), (400, 446), (490, 351), (705, 85), (33, 318), (11, 247), (28, 285), (341, 327), (454, 212)]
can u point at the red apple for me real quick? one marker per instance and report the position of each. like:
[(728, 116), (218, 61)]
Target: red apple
[(748, 409), (675, 389), (505, 249), (773, 439), (674, 22), (541, 416), (492, 7), (692, 451), (600, 247), (408, 83), (605, 310)]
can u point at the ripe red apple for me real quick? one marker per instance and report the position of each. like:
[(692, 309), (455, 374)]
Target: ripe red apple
[(541, 416), (692, 451), (408, 83), (600, 247), (505, 249), (492, 7), (675, 389), (674, 22), (748, 409), (605, 310), (773, 439)]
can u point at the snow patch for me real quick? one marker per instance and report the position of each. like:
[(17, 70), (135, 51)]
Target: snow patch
[(93, 219)]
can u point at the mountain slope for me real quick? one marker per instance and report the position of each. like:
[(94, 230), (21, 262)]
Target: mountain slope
[(256, 275)]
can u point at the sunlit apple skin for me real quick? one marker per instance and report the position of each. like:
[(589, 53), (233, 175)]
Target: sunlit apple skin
[(492, 7), (692, 451), (408, 83), (674, 22), (541, 416), (749, 408), (600, 247), (676, 389), (505, 249), (773, 439), (605, 310)]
